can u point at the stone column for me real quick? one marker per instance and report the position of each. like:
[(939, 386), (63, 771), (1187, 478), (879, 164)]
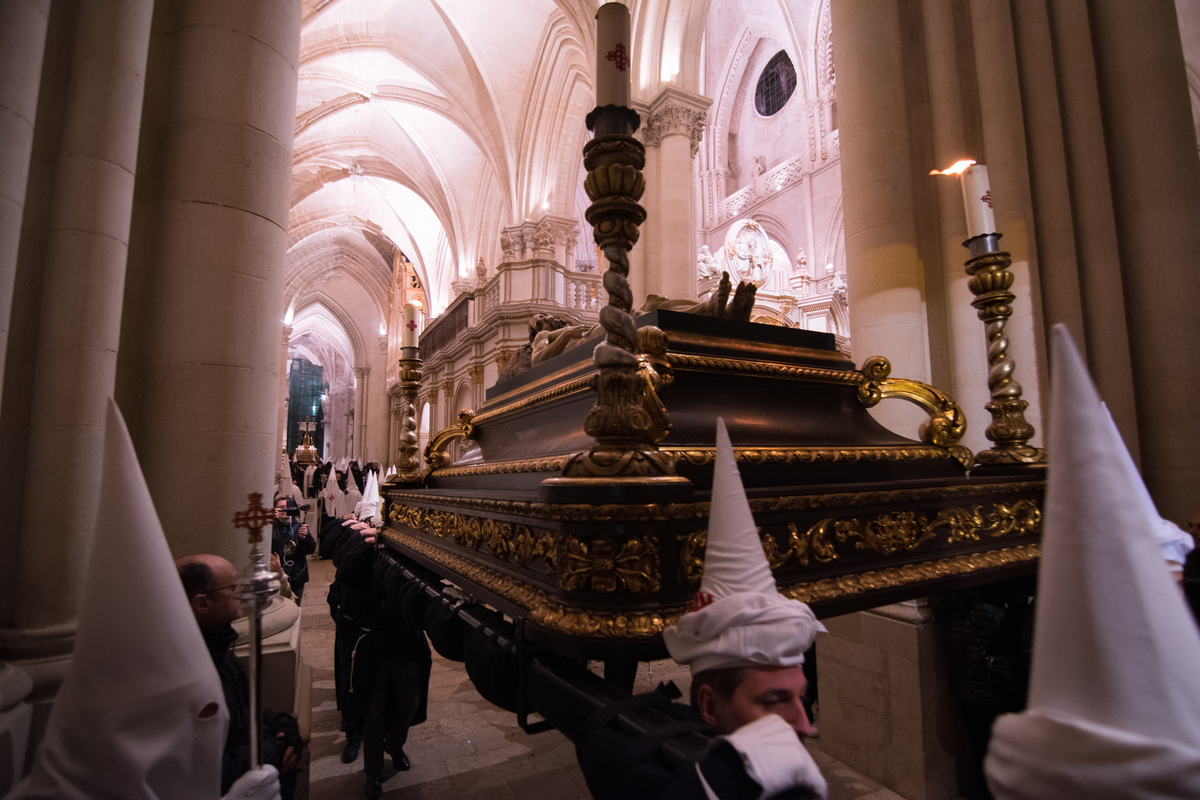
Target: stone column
[(75, 357), (361, 377), (281, 435), (204, 299), (1095, 222), (883, 272), (1156, 178), (968, 353), (1005, 154), (22, 40), (379, 411), (673, 128), (475, 373)]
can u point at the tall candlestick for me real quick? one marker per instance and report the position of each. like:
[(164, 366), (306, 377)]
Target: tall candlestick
[(408, 337), (612, 55)]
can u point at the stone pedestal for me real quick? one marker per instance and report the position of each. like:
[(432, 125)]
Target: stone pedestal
[(886, 706), (281, 660)]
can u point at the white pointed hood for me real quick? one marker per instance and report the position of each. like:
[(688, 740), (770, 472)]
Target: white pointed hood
[(739, 616), (369, 507), (141, 713), (1114, 695)]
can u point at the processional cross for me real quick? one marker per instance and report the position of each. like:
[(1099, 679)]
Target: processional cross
[(254, 518)]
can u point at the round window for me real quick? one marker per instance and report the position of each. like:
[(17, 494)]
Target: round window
[(775, 85)]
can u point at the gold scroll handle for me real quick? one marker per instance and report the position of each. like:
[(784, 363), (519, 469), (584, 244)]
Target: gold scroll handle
[(946, 424), (437, 452)]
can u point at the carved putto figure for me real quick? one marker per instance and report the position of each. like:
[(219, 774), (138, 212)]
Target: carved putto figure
[(838, 287)]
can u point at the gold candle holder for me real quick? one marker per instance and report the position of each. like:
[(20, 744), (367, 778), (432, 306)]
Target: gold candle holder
[(991, 282), (408, 463)]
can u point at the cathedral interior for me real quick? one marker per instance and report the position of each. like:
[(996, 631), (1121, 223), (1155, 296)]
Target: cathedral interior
[(217, 213)]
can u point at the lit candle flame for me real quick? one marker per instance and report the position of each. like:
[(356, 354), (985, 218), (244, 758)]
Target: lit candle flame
[(956, 169)]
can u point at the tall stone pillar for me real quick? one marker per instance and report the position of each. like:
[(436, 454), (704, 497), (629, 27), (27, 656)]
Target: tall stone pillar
[(883, 272), (1156, 178), (204, 296), (1006, 156), (380, 413), (80, 322), (361, 377), (673, 128), (281, 429), (968, 354), (1095, 221), (22, 40)]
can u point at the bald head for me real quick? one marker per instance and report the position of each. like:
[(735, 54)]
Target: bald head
[(211, 586)]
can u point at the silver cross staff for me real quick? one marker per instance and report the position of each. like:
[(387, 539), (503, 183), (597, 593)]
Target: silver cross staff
[(256, 584)]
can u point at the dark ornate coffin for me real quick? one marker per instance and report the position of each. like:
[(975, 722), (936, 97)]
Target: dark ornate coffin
[(851, 515)]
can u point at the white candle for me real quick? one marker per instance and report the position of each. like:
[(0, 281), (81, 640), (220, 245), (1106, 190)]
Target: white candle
[(612, 55), (408, 336), (977, 200)]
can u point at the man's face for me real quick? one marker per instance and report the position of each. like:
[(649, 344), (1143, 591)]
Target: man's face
[(220, 606), (281, 509), (763, 690)]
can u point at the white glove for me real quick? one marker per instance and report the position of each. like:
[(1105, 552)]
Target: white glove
[(261, 783), (775, 758)]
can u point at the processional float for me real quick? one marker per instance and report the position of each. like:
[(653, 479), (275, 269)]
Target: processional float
[(579, 507)]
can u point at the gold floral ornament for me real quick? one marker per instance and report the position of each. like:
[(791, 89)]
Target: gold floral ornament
[(603, 565), (886, 534)]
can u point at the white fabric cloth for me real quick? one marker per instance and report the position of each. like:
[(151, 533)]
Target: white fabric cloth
[(352, 497), (140, 714), (308, 478), (1173, 541), (740, 619), (332, 494), (775, 758), (1114, 675), (1083, 759), (257, 784)]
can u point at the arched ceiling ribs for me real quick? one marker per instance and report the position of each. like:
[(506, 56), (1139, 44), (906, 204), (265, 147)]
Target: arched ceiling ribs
[(313, 267), (667, 36), (471, 110), (552, 119), (321, 305)]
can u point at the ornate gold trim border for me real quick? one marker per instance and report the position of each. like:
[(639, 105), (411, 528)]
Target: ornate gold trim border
[(583, 512), (764, 368), (703, 456), (570, 387), (849, 585), (549, 614)]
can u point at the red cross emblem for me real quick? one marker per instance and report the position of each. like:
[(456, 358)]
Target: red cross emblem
[(987, 198), (412, 325), (254, 518), (701, 599), (619, 57)]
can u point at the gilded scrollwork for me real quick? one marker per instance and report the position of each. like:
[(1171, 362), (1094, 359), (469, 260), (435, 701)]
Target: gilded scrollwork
[(809, 455), (506, 540), (886, 534), (604, 565), (552, 615)]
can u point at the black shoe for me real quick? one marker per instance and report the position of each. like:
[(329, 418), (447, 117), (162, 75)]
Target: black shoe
[(400, 761), (350, 752), (374, 789)]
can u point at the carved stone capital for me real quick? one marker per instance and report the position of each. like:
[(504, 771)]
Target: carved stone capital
[(676, 113), (475, 372)]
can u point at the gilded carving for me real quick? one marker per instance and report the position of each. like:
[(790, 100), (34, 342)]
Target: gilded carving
[(603, 564), (436, 452), (510, 541), (810, 455), (946, 424), (886, 534), (770, 369), (550, 614)]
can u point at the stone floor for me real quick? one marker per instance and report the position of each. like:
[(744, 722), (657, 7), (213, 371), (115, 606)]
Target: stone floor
[(469, 749)]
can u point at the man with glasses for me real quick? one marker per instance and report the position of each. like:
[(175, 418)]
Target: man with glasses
[(211, 586)]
